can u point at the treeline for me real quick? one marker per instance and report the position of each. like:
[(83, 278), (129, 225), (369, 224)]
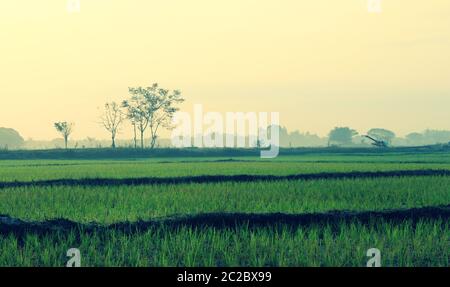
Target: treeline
[(148, 109), (10, 139), (347, 137)]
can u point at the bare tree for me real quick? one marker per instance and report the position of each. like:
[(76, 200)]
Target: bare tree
[(111, 119), (131, 115), (136, 114), (65, 129), (133, 123), (158, 106)]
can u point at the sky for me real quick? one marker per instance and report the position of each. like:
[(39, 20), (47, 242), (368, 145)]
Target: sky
[(319, 63)]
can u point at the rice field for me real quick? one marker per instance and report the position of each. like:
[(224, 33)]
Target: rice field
[(305, 210)]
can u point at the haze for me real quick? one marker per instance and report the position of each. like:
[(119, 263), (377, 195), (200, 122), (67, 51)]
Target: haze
[(320, 63)]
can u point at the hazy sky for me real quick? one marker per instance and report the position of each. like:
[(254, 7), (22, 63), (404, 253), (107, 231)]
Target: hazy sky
[(320, 63)]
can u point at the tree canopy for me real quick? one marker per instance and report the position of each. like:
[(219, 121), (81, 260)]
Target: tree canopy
[(382, 135), (342, 135), (10, 138), (152, 107), (65, 129)]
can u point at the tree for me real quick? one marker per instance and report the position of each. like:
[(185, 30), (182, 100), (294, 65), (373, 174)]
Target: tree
[(133, 114), (10, 138), (298, 138), (65, 129), (342, 135), (436, 136), (415, 138), (156, 109), (136, 113), (111, 119), (382, 135)]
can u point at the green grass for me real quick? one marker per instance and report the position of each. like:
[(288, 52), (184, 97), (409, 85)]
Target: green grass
[(401, 243), (119, 203), (151, 169)]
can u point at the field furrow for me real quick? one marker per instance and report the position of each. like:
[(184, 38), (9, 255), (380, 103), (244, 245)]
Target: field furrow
[(222, 178), (16, 226)]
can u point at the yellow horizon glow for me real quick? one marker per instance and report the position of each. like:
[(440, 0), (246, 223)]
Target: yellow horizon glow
[(320, 63)]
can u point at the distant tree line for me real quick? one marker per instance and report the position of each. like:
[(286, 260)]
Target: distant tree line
[(10, 138), (346, 136), (148, 108)]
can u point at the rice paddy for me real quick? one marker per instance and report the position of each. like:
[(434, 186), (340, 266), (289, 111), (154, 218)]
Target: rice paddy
[(304, 210)]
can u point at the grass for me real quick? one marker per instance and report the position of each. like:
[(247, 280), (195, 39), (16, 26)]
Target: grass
[(120, 203), (401, 245), (404, 243), (42, 171), (403, 153)]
